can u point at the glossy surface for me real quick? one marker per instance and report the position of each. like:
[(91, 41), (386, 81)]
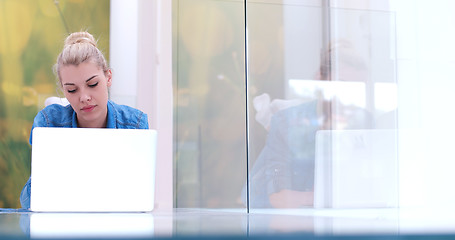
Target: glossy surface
[(257, 80), (230, 222), (321, 87), (209, 103)]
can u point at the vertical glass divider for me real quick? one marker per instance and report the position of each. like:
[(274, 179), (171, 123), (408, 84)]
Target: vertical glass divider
[(246, 109)]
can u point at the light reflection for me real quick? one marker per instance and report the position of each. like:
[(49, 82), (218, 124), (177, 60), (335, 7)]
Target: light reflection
[(230, 222), (356, 169), (83, 225), (348, 93), (385, 96)]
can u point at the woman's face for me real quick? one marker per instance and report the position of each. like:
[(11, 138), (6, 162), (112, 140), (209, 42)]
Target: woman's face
[(86, 88)]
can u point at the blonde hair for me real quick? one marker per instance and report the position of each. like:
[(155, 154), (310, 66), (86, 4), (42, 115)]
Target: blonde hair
[(80, 47)]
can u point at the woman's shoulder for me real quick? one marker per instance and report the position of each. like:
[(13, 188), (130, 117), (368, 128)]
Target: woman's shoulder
[(58, 111), (54, 115), (124, 109), (128, 117)]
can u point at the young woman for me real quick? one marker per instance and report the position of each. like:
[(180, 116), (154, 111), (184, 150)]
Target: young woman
[(85, 78)]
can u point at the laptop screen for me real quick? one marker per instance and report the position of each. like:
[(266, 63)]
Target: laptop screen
[(93, 170)]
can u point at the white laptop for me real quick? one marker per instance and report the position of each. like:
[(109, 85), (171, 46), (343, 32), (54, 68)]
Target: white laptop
[(356, 169), (93, 170)]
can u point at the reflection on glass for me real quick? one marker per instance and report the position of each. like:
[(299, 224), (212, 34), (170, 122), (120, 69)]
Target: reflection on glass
[(325, 223), (227, 223), (356, 169), (91, 225), (209, 114), (334, 76)]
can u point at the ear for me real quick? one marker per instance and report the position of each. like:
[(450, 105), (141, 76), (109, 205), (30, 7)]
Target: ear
[(108, 75)]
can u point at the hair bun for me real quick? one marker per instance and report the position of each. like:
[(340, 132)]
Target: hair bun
[(80, 47), (81, 38)]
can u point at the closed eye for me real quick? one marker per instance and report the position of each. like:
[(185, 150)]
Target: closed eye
[(71, 91), (93, 85)]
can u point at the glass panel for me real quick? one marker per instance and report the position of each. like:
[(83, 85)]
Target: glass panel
[(322, 106), (209, 115), (31, 36)]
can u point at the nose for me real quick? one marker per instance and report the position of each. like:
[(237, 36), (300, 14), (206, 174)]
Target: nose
[(85, 97)]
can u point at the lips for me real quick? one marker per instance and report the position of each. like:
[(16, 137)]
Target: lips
[(88, 108)]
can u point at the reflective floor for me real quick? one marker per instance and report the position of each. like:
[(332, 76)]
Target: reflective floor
[(232, 223)]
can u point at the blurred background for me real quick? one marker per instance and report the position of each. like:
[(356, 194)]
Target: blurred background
[(31, 36), (251, 84)]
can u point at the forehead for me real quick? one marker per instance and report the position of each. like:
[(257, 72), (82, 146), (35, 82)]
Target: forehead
[(79, 73)]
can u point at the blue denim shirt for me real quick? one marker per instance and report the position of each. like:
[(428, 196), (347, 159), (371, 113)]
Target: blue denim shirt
[(287, 159), (118, 116)]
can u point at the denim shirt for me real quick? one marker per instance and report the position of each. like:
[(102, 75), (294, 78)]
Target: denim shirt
[(287, 159), (118, 116)]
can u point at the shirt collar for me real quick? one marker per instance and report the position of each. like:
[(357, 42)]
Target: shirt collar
[(111, 122), (111, 116), (74, 124)]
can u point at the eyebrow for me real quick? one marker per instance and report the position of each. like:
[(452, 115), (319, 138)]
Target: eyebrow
[(92, 77)]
